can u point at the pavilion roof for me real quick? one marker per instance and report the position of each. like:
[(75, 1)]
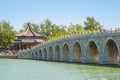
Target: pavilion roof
[(29, 31)]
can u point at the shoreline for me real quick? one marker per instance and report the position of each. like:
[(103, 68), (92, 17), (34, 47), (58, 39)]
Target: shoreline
[(9, 56)]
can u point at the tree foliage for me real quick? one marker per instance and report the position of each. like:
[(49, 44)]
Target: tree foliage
[(76, 29), (58, 31), (7, 34), (46, 27), (51, 30), (92, 25)]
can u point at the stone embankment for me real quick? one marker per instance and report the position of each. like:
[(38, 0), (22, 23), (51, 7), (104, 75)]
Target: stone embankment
[(8, 56)]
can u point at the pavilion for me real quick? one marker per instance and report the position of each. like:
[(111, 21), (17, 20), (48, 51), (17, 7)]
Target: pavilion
[(27, 38)]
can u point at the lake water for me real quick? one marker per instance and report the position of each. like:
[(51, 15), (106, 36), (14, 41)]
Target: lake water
[(16, 69)]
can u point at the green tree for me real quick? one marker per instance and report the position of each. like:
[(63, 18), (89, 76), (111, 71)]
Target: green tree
[(76, 29), (46, 27), (52, 30), (7, 34), (92, 25), (58, 31)]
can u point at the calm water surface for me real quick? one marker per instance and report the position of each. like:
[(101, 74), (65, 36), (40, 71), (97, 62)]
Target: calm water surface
[(14, 69)]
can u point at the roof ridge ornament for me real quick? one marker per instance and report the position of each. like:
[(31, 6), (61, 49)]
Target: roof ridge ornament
[(28, 24)]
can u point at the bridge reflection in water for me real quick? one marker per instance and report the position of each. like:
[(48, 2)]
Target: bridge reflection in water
[(99, 47)]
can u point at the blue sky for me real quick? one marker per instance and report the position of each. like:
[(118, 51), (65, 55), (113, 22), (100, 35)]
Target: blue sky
[(17, 12)]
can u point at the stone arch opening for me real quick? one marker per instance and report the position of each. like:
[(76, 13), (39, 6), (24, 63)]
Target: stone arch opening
[(50, 53), (66, 52), (36, 55), (57, 51), (92, 52), (40, 54), (45, 54), (77, 52), (111, 51), (32, 55)]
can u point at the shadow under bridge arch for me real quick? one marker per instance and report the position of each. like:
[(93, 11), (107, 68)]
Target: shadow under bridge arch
[(111, 52), (77, 52), (92, 52)]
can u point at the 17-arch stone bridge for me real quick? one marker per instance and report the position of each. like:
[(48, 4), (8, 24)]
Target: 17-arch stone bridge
[(100, 47)]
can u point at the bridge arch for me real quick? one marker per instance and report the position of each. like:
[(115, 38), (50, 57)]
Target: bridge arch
[(40, 54), (92, 52), (77, 52), (36, 55), (66, 52), (111, 51), (32, 55), (45, 54), (50, 53), (57, 52)]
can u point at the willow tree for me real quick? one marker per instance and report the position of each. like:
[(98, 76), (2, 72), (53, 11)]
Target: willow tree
[(7, 34)]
